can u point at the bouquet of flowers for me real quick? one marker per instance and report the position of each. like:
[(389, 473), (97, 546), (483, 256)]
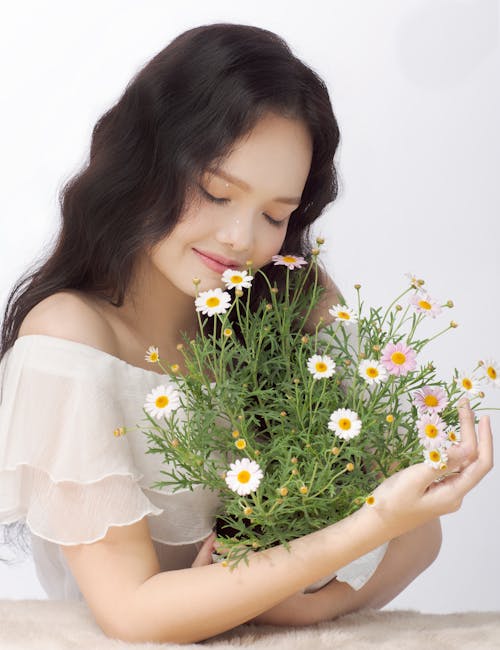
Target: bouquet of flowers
[(294, 427)]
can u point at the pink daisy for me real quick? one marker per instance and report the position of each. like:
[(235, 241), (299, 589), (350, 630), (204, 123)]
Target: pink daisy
[(430, 399), (398, 358), (431, 431), (291, 261), (424, 304)]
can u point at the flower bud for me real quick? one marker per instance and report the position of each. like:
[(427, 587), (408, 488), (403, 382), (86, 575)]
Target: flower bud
[(349, 467), (238, 292), (335, 451), (269, 307), (453, 324), (294, 460), (249, 263), (174, 367), (120, 431), (357, 286), (295, 471), (449, 303), (236, 434), (247, 511), (389, 418), (228, 332), (481, 394), (398, 307), (305, 339), (274, 290), (370, 500), (303, 489), (320, 240), (179, 346), (376, 348), (315, 252), (283, 491), (283, 414), (196, 281)]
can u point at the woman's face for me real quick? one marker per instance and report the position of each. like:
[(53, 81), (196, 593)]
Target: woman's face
[(257, 187)]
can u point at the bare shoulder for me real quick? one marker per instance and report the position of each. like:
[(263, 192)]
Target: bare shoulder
[(330, 296), (71, 315)]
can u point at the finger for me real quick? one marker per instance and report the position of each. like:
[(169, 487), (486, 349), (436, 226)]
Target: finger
[(457, 485)]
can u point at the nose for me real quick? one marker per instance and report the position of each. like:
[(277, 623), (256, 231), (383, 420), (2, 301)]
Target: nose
[(236, 231)]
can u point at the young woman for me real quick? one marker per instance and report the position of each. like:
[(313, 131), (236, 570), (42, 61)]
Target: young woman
[(220, 150)]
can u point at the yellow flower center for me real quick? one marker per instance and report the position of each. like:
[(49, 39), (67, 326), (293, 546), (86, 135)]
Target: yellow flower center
[(243, 476), (241, 444), (344, 314), (345, 424), (213, 301), (370, 500), (430, 400), (161, 401), (153, 356), (228, 331), (466, 383), (424, 304), (289, 259), (452, 436), (492, 373), (236, 279), (372, 372), (321, 366), (398, 358), (434, 455), (431, 430)]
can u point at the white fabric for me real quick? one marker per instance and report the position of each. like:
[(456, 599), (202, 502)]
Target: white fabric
[(65, 473)]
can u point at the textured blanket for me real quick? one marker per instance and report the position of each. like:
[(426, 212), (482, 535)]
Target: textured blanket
[(52, 625)]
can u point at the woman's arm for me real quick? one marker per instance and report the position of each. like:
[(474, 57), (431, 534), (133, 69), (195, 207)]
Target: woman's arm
[(134, 602), (406, 557)]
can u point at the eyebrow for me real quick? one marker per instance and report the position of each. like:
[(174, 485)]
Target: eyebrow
[(247, 188)]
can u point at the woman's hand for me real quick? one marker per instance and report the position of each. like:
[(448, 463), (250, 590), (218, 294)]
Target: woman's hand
[(412, 496), (205, 553)]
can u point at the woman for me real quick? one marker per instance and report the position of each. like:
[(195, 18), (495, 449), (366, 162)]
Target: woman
[(220, 150)]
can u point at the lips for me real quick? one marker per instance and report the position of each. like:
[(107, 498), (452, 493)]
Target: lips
[(224, 261)]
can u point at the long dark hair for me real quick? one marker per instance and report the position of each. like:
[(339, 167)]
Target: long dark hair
[(181, 113)]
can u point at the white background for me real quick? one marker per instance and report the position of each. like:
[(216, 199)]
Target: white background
[(415, 88)]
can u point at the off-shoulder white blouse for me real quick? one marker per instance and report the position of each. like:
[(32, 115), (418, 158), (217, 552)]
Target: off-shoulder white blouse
[(64, 472)]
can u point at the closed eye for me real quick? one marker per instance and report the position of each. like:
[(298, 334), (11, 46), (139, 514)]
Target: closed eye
[(213, 199)]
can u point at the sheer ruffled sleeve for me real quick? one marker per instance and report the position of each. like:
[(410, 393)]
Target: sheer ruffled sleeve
[(60, 466)]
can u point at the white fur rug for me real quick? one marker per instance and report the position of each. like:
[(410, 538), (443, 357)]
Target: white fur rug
[(53, 625)]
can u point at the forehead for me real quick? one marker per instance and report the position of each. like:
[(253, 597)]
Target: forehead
[(274, 157)]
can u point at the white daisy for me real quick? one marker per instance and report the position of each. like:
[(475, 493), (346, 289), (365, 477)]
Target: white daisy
[(152, 354), (161, 401), (372, 371), (238, 279), (345, 423), (422, 303), (435, 457), (492, 372), (213, 301), (321, 366), (414, 280), (468, 383), (453, 437), (342, 312), (244, 476)]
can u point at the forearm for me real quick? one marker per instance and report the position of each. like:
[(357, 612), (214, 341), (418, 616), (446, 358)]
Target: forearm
[(189, 605)]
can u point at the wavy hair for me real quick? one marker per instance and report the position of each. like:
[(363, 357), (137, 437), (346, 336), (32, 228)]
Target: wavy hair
[(179, 115)]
